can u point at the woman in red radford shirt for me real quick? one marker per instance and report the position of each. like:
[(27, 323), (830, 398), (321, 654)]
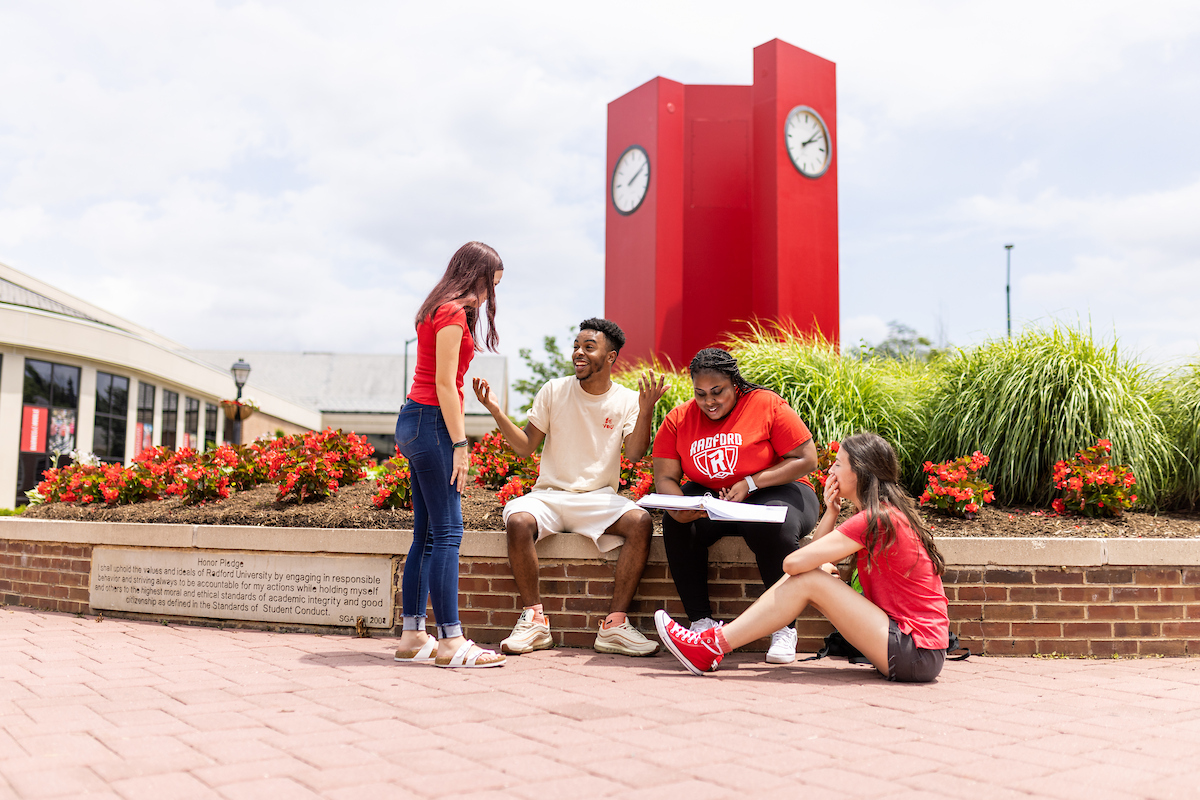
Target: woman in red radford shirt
[(899, 622), (431, 434), (743, 443)]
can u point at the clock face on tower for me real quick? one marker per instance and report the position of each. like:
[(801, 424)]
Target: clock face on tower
[(808, 142), (630, 179)]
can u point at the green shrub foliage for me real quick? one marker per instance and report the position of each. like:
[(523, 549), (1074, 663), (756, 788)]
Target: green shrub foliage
[(1034, 400)]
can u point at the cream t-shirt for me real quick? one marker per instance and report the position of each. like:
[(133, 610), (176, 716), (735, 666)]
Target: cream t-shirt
[(584, 434)]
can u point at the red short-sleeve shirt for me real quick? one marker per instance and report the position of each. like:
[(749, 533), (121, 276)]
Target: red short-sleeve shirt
[(754, 436), (903, 582), (424, 385)]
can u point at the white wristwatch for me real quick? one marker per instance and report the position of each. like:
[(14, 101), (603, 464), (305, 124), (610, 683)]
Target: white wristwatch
[(750, 482)]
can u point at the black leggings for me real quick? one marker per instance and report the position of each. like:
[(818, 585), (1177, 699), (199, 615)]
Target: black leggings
[(687, 544)]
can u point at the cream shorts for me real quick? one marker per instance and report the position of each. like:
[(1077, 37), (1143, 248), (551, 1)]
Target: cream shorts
[(587, 513)]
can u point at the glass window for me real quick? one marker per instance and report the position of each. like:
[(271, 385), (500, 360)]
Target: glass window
[(145, 403), (55, 388), (170, 417), (191, 422), (210, 425), (37, 382), (66, 387), (112, 411)]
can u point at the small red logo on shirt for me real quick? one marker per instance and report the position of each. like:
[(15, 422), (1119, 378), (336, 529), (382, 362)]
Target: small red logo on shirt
[(608, 423)]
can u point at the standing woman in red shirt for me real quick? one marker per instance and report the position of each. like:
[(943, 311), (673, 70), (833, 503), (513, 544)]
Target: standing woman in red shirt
[(431, 434), (899, 622), (743, 443)]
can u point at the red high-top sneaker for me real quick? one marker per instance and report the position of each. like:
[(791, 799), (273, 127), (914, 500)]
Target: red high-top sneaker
[(699, 652)]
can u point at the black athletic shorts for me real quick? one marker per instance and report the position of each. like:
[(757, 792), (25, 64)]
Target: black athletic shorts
[(908, 663)]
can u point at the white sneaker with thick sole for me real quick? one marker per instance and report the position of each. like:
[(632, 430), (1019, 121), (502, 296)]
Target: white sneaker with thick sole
[(528, 635), (624, 640), (783, 646), (703, 624)]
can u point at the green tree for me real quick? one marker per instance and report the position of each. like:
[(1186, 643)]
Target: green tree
[(555, 365), (904, 342)]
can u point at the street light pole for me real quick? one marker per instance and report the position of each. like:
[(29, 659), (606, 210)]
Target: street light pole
[(1008, 285), (241, 374)]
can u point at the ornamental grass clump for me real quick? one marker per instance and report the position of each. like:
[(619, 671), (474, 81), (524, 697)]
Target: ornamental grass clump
[(954, 487), (314, 465), (1091, 486), (1180, 411), (1034, 400), (835, 395)]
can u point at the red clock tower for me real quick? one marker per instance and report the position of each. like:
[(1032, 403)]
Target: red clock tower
[(722, 206)]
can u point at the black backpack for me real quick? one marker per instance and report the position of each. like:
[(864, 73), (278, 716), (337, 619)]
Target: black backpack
[(836, 645)]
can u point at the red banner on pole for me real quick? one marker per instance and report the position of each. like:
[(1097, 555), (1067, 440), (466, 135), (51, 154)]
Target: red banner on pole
[(33, 429)]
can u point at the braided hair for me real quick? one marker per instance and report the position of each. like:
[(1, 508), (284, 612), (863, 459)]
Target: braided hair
[(714, 359)]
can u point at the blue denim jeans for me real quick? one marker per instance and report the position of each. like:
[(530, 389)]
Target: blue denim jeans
[(431, 569)]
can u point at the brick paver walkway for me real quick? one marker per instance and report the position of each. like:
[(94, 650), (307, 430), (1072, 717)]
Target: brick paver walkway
[(125, 709)]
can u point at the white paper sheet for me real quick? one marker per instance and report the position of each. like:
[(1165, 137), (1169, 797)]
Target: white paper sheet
[(719, 510)]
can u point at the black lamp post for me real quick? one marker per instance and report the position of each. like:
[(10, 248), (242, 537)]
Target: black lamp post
[(241, 373), (1008, 285)]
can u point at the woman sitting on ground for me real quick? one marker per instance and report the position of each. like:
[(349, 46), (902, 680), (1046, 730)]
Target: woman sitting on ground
[(899, 622), (741, 442)]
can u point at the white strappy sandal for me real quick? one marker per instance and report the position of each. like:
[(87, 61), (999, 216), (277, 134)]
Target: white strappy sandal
[(461, 660), (427, 653)]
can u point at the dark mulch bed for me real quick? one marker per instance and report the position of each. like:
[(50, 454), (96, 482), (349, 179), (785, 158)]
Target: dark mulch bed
[(352, 508)]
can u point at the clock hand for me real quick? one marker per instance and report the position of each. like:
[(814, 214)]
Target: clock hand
[(639, 172), (815, 136)]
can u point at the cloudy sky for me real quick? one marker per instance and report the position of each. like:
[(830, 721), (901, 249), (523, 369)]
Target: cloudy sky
[(295, 175)]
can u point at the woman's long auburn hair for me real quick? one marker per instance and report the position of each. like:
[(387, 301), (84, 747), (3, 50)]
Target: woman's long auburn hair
[(470, 276), (879, 492)]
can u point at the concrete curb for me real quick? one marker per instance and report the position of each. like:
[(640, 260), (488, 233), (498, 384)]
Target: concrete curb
[(958, 551)]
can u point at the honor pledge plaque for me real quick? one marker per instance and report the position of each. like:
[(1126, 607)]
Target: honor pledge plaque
[(722, 206), (302, 589)]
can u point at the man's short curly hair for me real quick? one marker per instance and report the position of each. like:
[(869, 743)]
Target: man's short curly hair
[(613, 334)]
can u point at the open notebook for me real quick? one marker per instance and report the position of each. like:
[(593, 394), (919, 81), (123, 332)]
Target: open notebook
[(719, 510)]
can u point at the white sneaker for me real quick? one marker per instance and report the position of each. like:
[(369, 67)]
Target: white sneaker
[(783, 646), (625, 640), (528, 635), (703, 624)]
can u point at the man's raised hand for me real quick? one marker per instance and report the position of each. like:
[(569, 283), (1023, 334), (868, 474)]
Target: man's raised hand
[(651, 388)]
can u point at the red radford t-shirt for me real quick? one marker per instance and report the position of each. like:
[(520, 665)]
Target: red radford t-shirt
[(903, 582), (424, 386), (754, 436)]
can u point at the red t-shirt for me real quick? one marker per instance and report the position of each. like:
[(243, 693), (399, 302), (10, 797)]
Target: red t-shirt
[(424, 386), (903, 582), (754, 436)]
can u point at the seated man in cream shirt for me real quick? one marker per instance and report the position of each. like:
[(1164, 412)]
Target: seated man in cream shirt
[(585, 420)]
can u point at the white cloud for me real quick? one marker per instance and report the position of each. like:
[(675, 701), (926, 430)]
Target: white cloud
[(295, 175)]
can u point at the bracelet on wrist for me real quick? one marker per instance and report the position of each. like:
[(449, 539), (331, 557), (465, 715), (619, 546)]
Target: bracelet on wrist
[(463, 443)]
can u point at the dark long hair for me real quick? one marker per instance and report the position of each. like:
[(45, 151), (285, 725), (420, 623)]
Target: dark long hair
[(470, 276), (714, 359), (879, 492)]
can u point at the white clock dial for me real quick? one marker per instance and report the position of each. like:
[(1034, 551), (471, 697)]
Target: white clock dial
[(808, 142), (631, 179)]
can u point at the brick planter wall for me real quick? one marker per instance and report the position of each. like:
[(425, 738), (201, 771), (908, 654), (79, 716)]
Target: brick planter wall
[(1077, 611), (1101, 604), (47, 575)]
